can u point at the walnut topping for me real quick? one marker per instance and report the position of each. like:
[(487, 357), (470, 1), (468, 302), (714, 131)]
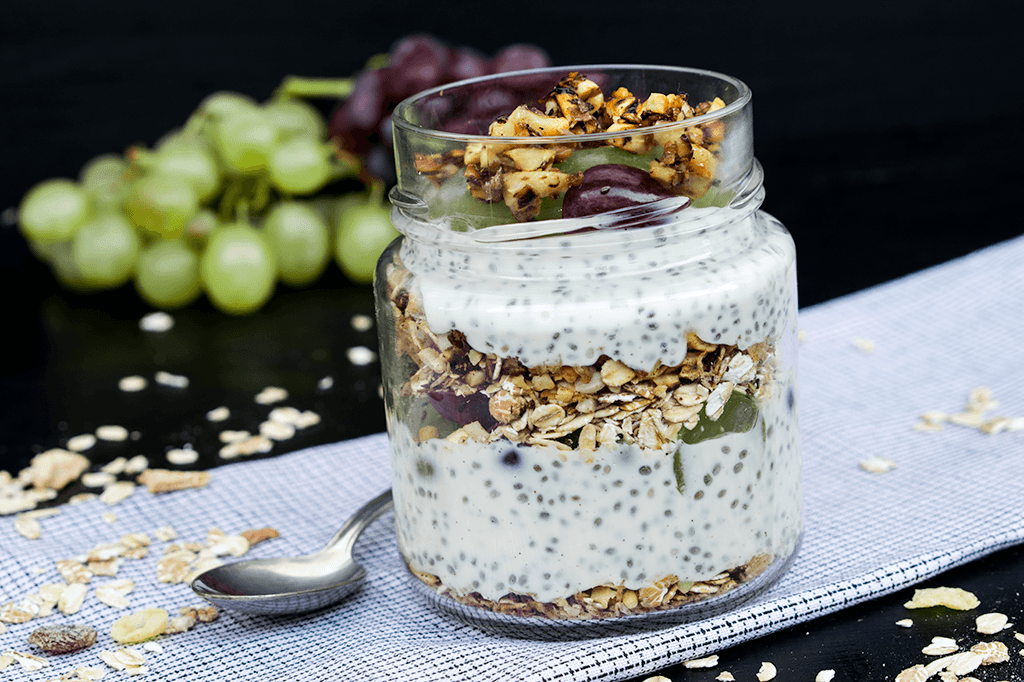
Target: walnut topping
[(495, 170)]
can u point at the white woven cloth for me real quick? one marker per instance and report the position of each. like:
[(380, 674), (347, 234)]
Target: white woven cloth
[(953, 496)]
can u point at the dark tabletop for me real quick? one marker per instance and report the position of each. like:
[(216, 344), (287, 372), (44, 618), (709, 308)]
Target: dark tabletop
[(889, 135)]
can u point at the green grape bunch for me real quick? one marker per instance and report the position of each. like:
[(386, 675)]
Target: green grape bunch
[(243, 196)]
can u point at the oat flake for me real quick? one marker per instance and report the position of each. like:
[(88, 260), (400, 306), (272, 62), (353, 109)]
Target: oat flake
[(707, 662), (172, 380), (825, 675), (877, 465), (271, 395), (112, 432), (218, 414), (360, 355), (132, 384), (156, 322), (991, 623), (766, 672), (81, 443)]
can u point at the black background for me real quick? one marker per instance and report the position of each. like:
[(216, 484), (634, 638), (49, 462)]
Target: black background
[(890, 134)]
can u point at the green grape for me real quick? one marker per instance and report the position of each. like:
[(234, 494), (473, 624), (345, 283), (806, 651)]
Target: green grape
[(199, 227), (299, 166), (238, 269), (107, 179), (296, 117), (363, 231), (161, 205), (738, 416), (104, 250), (64, 269), (167, 274), (225, 103), (53, 210), (245, 139), (298, 235), (189, 160), (467, 212), (582, 159)]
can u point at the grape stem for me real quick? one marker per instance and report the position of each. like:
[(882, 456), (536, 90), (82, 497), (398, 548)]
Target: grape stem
[(297, 86)]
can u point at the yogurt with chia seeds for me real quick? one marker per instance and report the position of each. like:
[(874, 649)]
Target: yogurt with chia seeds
[(597, 424)]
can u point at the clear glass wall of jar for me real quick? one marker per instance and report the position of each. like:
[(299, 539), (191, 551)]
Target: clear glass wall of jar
[(591, 406)]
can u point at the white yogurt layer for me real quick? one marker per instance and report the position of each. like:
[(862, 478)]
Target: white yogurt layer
[(497, 518), (632, 295)]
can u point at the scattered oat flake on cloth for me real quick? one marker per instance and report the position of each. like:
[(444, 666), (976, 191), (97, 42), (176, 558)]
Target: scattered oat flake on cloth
[(862, 344), (951, 597), (877, 465), (166, 480)]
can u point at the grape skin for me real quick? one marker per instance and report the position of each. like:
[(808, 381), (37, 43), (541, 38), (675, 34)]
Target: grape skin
[(167, 274), (238, 269), (53, 210), (300, 241), (104, 250)]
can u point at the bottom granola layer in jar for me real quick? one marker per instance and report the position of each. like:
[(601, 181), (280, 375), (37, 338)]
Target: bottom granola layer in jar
[(579, 492)]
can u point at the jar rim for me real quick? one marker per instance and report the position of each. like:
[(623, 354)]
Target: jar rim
[(400, 114)]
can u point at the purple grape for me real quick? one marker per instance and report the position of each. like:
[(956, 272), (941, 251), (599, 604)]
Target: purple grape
[(465, 62), (609, 186), (379, 162), (463, 409), (520, 56), (359, 116), (418, 62)]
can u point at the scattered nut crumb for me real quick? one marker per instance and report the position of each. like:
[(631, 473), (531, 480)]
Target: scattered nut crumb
[(165, 480), (156, 322), (258, 535), (132, 384), (173, 380)]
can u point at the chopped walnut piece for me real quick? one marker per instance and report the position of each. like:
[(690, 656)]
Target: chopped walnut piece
[(165, 480), (258, 535), (524, 190)]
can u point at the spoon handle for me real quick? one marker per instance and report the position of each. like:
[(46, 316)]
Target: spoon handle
[(345, 539)]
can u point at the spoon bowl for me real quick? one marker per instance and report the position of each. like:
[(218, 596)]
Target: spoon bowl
[(291, 585)]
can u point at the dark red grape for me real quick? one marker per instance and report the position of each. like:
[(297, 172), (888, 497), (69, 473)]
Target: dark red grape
[(463, 409), (418, 62), (609, 186), (359, 116), (379, 162), (465, 62), (519, 57)]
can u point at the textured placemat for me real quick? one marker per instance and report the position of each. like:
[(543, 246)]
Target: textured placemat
[(953, 496)]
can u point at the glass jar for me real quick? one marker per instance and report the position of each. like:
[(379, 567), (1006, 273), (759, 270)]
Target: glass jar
[(590, 379)]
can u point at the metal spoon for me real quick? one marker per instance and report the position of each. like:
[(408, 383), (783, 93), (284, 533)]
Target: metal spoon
[(293, 585)]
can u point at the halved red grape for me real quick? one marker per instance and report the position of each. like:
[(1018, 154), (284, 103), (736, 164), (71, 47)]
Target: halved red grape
[(607, 187), (463, 409), (465, 62)]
